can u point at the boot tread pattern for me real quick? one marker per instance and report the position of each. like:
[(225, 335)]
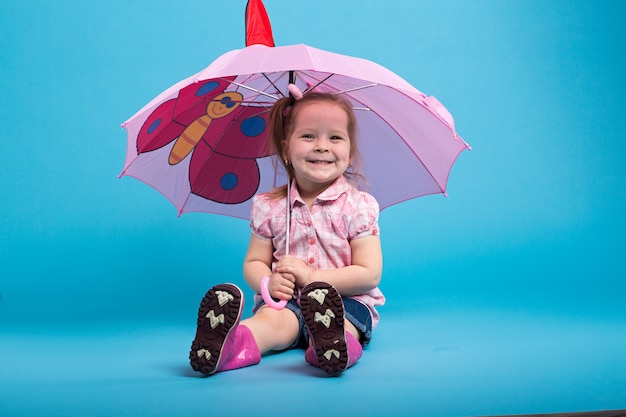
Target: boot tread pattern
[(322, 309), (219, 312)]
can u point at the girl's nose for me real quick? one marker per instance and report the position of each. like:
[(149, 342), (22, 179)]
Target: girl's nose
[(321, 146)]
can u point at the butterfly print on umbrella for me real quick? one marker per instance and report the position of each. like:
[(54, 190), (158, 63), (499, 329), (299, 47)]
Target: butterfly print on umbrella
[(223, 135)]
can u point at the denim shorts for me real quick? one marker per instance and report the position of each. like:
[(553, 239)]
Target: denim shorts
[(355, 312)]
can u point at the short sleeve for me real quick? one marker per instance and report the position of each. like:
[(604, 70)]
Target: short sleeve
[(260, 217), (365, 219)]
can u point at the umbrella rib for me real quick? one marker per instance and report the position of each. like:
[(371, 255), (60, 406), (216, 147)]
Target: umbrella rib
[(319, 83), (256, 90), (357, 88), (272, 83), (345, 91)]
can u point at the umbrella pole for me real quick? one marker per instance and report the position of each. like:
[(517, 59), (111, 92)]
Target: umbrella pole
[(292, 80), (288, 207)]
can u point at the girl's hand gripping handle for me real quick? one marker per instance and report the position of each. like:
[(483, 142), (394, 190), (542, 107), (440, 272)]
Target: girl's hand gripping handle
[(265, 292)]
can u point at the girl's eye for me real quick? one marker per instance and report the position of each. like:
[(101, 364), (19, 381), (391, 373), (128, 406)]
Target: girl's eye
[(336, 138)]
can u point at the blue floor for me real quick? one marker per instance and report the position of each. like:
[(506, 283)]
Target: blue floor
[(447, 362)]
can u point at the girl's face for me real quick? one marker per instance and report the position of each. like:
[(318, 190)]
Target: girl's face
[(318, 146)]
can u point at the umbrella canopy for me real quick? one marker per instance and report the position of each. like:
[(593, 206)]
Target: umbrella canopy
[(203, 142)]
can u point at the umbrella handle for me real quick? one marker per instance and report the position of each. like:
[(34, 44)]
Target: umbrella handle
[(265, 292)]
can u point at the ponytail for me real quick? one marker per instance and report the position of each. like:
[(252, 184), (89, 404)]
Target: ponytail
[(279, 128)]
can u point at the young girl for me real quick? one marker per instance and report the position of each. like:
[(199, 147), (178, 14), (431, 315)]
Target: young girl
[(332, 273)]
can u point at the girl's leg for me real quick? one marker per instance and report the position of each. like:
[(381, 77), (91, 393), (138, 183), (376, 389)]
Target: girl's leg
[(333, 341), (273, 329)]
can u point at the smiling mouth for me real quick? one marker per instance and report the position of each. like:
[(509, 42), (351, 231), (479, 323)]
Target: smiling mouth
[(318, 162)]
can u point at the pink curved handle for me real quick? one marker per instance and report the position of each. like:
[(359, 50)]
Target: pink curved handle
[(265, 292)]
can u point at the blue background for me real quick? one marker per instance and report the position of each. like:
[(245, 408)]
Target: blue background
[(508, 297)]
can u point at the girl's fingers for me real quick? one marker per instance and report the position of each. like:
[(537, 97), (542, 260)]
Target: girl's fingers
[(288, 276), (283, 287)]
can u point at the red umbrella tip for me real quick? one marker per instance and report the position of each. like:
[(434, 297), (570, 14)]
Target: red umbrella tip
[(258, 28)]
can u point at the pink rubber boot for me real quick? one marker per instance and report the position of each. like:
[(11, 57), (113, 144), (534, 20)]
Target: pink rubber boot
[(221, 344), (240, 350), (330, 346), (355, 351)]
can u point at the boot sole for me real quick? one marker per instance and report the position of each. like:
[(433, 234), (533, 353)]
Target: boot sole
[(323, 312), (219, 313)]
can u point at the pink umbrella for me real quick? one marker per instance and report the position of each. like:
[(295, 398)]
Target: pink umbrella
[(203, 142)]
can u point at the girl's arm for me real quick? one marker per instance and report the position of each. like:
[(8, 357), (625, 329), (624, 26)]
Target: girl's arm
[(360, 277), (258, 263)]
